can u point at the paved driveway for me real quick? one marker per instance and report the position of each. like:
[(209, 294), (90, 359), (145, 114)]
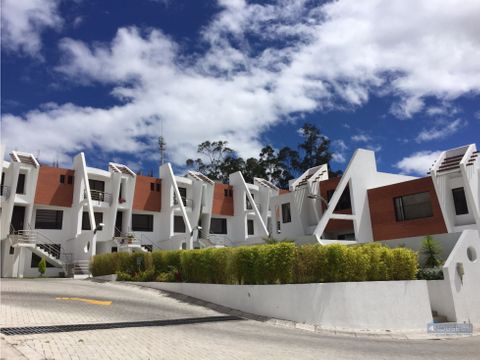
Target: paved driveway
[(155, 325)]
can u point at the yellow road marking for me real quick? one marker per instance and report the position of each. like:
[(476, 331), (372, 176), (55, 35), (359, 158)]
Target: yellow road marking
[(88, 301)]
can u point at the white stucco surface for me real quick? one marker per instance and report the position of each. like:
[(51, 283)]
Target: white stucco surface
[(388, 305)]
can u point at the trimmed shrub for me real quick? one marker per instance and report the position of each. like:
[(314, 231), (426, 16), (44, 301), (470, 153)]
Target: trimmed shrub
[(280, 263)]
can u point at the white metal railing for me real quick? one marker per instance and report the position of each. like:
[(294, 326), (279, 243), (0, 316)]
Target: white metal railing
[(186, 201), (99, 196)]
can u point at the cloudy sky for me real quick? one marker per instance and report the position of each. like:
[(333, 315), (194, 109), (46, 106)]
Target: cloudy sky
[(401, 77)]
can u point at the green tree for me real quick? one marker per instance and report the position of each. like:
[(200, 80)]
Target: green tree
[(277, 166), (431, 250), (42, 266)]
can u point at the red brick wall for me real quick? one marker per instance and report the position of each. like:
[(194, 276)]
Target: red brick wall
[(50, 191), (222, 205), (382, 211), (144, 198)]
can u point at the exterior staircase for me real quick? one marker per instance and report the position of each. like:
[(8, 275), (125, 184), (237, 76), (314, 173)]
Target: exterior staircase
[(43, 247)]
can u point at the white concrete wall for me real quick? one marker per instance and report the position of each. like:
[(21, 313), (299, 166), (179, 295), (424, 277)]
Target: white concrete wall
[(383, 305), (465, 290)]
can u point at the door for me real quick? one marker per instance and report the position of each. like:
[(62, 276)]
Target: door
[(118, 224), (18, 218)]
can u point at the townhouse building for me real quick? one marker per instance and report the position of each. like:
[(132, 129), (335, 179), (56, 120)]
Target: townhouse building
[(365, 205), (69, 215)]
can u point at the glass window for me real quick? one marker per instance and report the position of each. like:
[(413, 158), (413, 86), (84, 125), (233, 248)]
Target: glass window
[(70, 179), (157, 187), (152, 186), (178, 224), (415, 206), (344, 202), (142, 222), (97, 185), (286, 214), (62, 179), (21, 184), (218, 226), (86, 220), (250, 227), (49, 219), (460, 201)]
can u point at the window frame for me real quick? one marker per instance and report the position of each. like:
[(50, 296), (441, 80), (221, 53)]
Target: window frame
[(176, 224), (58, 224), (149, 226), (460, 209), (250, 227), (400, 207), (223, 226), (286, 215)]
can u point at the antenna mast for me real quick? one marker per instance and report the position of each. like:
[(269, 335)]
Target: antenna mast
[(162, 145)]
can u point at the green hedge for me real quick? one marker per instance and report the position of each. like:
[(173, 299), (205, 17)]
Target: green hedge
[(281, 263)]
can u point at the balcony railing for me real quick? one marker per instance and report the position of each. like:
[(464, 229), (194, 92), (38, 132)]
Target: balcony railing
[(5, 191), (250, 207), (186, 202), (99, 196)]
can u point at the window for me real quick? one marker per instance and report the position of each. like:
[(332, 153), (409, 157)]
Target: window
[(62, 179), (157, 187), (286, 214), (1, 185), (460, 201), (21, 184), (12, 250), (344, 202), (415, 206), (350, 236), (183, 195), (152, 186), (114, 249), (142, 222), (178, 224), (86, 220), (247, 202), (49, 219), (218, 226), (225, 192), (70, 179), (230, 192), (279, 227), (250, 227), (97, 185)]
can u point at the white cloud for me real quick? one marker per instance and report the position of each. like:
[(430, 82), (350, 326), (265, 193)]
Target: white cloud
[(361, 138), (440, 131), (418, 163), (338, 158), (23, 21), (245, 81), (340, 148)]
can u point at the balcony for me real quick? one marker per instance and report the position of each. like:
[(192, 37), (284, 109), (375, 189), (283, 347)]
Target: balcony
[(250, 207), (186, 202), (5, 191), (99, 196)]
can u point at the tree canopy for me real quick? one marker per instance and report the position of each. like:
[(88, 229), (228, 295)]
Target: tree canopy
[(217, 160)]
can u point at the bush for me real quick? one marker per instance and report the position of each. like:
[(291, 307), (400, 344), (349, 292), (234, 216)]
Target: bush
[(280, 263), (430, 274), (42, 266)]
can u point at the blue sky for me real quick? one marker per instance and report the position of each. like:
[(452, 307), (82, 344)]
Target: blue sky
[(398, 77)]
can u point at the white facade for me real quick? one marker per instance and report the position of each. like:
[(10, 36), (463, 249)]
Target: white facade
[(102, 203)]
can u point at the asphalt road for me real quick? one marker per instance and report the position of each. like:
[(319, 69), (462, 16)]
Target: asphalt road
[(155, 325)]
